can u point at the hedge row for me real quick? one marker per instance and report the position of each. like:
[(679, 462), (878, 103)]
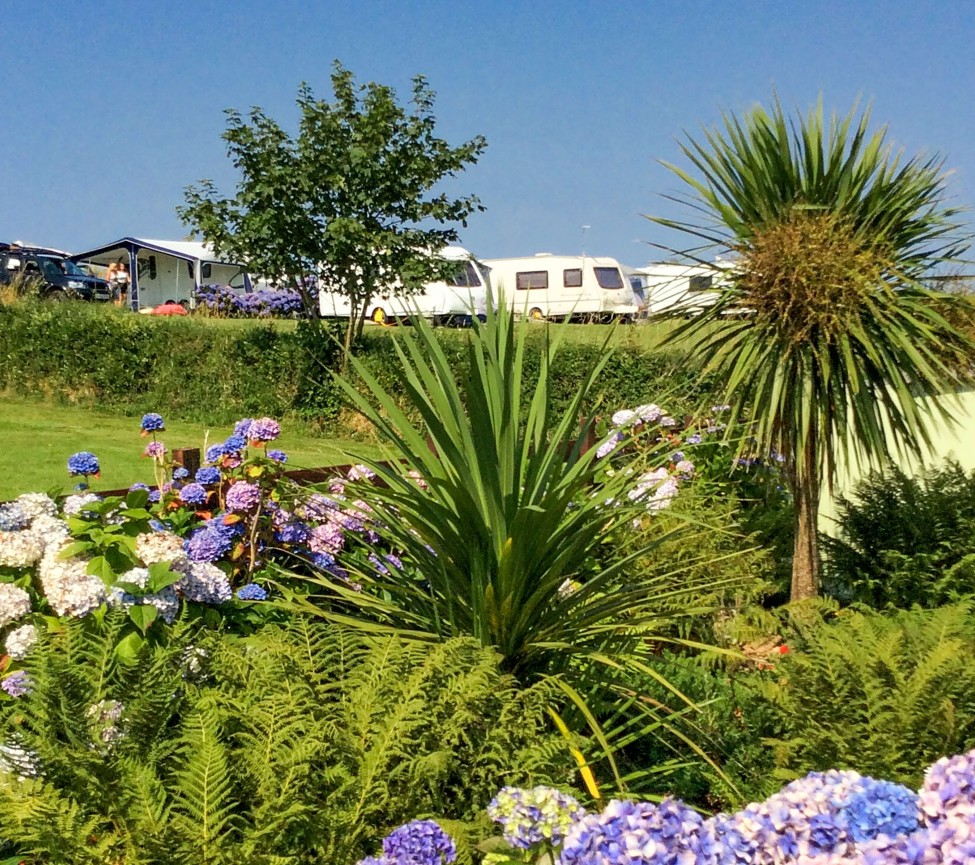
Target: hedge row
[(200, 370)]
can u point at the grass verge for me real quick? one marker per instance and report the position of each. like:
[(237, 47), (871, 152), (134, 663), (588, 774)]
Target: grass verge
[(38, 438)]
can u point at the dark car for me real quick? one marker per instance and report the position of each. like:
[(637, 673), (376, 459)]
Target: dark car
[(56, 276)]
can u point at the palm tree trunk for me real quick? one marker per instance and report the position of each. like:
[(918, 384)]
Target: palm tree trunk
[(805, 551)]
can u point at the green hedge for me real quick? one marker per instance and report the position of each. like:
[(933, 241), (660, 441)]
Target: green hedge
[(201, 370)]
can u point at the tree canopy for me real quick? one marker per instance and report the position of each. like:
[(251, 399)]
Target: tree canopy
[(353, 202)]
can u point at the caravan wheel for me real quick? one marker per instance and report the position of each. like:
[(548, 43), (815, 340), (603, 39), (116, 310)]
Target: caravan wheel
[(535, 314), (379, 315)]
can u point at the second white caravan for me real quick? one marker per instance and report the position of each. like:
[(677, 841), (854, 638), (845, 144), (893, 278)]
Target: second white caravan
[(563, 286), (442, 302)]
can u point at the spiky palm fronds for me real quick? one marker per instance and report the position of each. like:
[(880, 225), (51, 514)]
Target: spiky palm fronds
[(824, 334)]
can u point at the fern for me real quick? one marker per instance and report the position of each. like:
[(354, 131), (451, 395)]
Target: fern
[(879, 694)]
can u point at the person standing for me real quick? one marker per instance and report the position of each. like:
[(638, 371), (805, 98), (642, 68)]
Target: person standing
[(119, 280)]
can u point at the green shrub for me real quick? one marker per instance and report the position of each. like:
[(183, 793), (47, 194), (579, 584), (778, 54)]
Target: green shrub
[(905, 540), (300, 745), (188, 368)]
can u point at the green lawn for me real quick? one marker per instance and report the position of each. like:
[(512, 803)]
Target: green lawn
[(38, 438)]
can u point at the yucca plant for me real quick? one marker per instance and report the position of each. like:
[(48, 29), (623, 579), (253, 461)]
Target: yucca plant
[(823, 332), (502, 536)]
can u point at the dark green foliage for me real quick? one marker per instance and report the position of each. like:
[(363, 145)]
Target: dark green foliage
[(199, 370), (192, 370), (298, 745), (905, 540), (881, 694)]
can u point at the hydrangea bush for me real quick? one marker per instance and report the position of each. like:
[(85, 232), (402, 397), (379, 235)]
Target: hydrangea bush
[(196, 542), (222, 300), (825, 818)]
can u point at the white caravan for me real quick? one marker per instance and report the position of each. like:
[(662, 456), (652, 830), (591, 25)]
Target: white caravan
[(442, 302), (563, 286), (683, 288)]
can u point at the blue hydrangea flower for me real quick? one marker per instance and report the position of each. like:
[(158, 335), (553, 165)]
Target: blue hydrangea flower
[(209, 543), (139, 486), (880, 808), (294, 533), (419, 842), (193, 494), (252, 592), (242, 427), (235, 444), (152, 422), (83, 463), (207, 475), (277, 456), (180, 473)]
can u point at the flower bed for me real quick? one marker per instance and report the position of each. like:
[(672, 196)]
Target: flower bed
[(827, 818)]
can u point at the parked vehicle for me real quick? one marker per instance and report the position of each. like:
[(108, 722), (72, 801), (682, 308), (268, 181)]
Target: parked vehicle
[(563, 286), (57, 277), (684, 288), (450, 301)]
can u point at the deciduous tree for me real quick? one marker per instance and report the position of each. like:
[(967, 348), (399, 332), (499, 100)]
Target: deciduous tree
[(354, 201)]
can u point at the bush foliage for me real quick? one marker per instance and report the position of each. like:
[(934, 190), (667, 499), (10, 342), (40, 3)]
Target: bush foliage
[(209, 372), (905, 540)]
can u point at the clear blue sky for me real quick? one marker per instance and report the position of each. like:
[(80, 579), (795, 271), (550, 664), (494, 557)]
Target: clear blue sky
[(112, 108)]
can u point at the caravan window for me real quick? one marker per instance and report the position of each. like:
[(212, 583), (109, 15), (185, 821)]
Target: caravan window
[(531, 279), (608, 277), (699, 283), (572, 278), (466, 277)]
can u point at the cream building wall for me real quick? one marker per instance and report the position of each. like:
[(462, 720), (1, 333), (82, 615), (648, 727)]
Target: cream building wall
[(957, 441)]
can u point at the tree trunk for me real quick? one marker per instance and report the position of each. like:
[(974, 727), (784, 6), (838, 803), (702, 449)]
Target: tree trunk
[(805, 551)]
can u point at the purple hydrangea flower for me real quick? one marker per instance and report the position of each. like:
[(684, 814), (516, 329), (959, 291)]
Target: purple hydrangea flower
[(17, 684), (293, 532), (83, 463), (155, 496), (243, 496), (193, 494), (419, 842), (242, 427), (138, 486), (252, 592), (207, 475), (264, 430), (152, 422), (156, 450)]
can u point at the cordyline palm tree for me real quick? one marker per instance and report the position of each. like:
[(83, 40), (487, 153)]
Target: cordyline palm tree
[(823, 334)]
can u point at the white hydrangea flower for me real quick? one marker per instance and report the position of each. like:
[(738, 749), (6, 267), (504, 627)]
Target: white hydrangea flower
[(649, 413), (76, 503), (663, 495), (68, 588), (20, 641), (18, 761), (49, 530), (623, 417), (20, 549), (37, 504), (155, 547), (684, 467), (104, 717), (205, 583), (14, 603), (136, 576)]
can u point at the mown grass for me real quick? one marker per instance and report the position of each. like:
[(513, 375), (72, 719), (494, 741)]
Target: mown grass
[(38, 438)]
